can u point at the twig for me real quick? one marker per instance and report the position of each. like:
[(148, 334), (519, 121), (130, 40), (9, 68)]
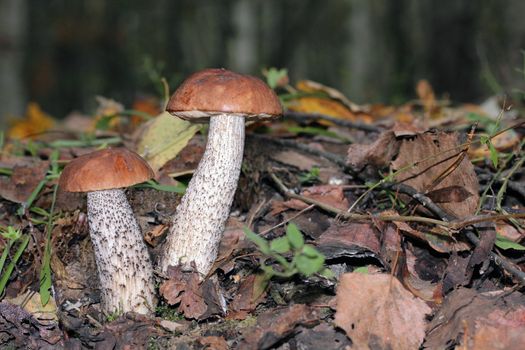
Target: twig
[(263, 233), (337, 121)]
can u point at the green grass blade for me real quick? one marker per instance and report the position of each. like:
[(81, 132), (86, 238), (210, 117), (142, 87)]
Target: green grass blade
[(9, 270)]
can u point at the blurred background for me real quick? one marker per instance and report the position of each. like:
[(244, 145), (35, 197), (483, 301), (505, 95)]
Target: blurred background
[(61, 54)]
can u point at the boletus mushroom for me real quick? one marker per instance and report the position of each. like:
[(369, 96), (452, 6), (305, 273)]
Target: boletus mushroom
[(226, 99), (123, 262)]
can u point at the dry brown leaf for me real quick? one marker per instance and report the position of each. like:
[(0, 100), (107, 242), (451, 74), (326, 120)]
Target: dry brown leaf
[(24, 179), (276, 324), (500, 330), (377, 154), (183, 288), (296, 159), (328, 194), (250, 293), (428, 98), (472, 320), (429, 163), (351, 234), (377, 312), (212, 342)]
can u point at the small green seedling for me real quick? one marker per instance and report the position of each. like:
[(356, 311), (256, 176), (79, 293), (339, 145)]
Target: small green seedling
[(13, 237), (310, 177), (305, 259)]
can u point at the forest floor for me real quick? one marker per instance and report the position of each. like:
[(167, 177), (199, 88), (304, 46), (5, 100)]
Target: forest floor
[(400, 227)]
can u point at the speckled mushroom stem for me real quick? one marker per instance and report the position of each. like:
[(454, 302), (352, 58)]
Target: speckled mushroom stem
[(200, 218), (123, 262)]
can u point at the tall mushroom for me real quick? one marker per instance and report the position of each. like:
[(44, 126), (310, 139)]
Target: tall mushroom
[(123, 262), (226, 99)]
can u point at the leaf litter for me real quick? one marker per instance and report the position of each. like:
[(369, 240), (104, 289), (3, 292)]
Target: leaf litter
[(402, 274)]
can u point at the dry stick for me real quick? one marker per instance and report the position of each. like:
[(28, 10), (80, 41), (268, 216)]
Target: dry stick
[(263, 233), (299, 116)]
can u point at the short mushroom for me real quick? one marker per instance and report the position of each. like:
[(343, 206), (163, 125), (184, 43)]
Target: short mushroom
[(123, 262), (226, 99)]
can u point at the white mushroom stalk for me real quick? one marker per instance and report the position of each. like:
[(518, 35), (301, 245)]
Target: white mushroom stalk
[(200, 218), (123, 262)]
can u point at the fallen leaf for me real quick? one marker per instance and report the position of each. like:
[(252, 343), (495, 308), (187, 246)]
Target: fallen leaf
[(214, 343), (163, 138), (24, 331), (427, 97), (352, 235), (501, 329), (328, 194), (295, 159), (428, 163), (35, 122), (153, 236), (450, 194), (377, 312), (322, 336), (249, 294), (377, 154), (509, 231), (473, 320), (183, 288), (145, 104), (276, 324), (313, 86), (23, 181)]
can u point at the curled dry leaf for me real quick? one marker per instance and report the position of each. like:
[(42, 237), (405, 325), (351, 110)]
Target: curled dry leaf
[(377, 312)]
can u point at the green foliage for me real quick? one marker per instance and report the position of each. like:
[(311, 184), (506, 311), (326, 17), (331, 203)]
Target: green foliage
[(317, 131), (361, 269), (179, 188), (45, 270), (305, 259), (310, 177), (13, 237), (169, 313), (275, 76), (493, 152), (504, 243)]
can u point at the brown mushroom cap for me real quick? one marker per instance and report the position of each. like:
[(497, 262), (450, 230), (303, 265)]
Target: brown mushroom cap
[(217, 91), (104, 170)]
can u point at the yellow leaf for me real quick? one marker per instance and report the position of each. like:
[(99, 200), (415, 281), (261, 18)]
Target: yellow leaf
[(35, 122), (163, 138), (329, 101)]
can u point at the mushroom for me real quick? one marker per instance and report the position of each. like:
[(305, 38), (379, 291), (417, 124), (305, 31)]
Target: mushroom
[(226, 99), (123, 262)]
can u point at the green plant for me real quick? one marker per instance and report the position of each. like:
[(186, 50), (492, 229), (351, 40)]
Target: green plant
[(310, 177), (169, 313), (13, 237), (305, 259)]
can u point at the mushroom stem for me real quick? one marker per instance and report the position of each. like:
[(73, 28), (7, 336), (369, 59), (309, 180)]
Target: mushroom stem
[(123, 263), (200, 218)]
